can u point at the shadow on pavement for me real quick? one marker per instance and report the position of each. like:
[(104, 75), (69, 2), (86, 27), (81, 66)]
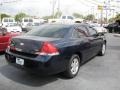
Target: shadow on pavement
[(25, 78), (113, 47)]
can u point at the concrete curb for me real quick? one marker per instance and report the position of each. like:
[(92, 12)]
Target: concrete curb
[(116, 35)]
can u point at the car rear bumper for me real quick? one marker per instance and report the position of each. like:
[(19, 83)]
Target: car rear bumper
[(50, 65)]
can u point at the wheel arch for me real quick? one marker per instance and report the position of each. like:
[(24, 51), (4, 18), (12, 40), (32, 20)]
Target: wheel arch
[(80, 55)]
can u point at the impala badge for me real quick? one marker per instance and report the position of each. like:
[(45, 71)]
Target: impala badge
[(21, 44)]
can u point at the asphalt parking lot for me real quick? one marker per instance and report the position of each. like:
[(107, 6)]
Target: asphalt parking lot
[(101, 73)]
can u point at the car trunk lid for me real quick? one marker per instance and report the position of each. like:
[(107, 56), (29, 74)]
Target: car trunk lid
[(30, 44)]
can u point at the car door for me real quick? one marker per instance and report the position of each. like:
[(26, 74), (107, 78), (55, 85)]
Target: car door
[(80, 35), (95, 41), (4, 40)]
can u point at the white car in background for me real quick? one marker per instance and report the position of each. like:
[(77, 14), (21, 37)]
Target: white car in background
[(100, 29), (26, 22), (13, 27), (66, 19), (7, 21)]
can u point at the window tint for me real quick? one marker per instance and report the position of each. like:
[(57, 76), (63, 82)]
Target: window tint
[(78, 33), (91, 31), (53, 31), (84, 29)]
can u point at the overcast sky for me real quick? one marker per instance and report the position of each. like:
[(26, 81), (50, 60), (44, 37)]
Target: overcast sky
[(44, 7)]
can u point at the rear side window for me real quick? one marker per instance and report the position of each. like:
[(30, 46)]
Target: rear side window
[(91, 31), (52, 31), (78, 33), (84, 29)]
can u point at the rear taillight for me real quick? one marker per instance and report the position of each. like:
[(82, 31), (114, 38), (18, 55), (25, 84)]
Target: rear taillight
[(48, 49), (11, 45)]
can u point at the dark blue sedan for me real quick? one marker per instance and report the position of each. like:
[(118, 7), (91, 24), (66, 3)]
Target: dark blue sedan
[(55, 48)]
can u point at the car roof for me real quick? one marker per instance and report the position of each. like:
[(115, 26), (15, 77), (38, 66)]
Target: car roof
[(71, 25)]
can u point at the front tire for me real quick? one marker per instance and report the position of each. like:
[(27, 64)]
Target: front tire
[(73, 66)]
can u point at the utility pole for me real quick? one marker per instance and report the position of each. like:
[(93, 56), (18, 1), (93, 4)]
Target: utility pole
[(101, 19), (53, 8), (58, 9)]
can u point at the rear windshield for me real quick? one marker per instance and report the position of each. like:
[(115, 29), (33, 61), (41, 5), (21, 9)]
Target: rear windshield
[(52, 31)]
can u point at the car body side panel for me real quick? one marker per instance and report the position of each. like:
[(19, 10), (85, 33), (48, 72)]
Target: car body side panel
[(4, 41)]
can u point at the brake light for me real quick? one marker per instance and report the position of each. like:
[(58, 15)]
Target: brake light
[(11, 45), (48, 49)]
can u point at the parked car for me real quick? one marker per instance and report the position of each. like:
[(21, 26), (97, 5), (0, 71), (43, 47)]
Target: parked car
[(5, 38), (26, 21), (30, 27), (66, 19), (101, 29), (55, 48), (13, 27), (114, 27), (7, 21)]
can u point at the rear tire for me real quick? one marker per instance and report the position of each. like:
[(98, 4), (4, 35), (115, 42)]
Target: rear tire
[(103, 49), (73, 66)]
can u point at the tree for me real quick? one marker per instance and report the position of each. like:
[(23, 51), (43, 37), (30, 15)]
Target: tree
[(90, 17), (117, 17), (58, 14), (20, 16), (111, 20), (3, 15), (77, 15), (47, 17)]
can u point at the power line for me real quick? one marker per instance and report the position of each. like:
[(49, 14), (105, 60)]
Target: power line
[(13, 1)]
